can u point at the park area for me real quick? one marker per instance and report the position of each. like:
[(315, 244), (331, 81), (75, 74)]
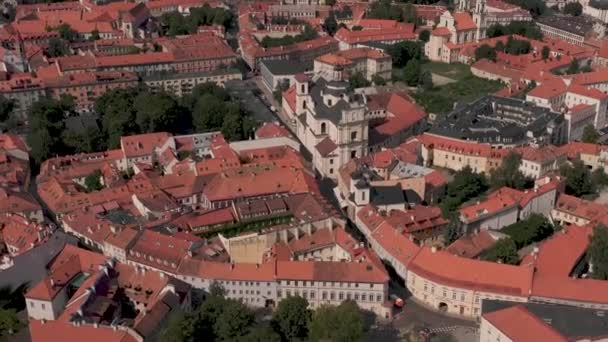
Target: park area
[(452, 83)]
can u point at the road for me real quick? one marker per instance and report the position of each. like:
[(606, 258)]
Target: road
[(245, 91)]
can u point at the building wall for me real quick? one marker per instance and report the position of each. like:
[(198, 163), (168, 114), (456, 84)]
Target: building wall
[(493, 222), (453, 300), (561, 34), (456, 161), (489, 333), (542, 204), (43, 309)]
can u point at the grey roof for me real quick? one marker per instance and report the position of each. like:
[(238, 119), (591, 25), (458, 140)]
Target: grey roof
[(570, 321), (286, 67), (579, 25), (385, 195), (497, 119), (336, 88), (30, 267)]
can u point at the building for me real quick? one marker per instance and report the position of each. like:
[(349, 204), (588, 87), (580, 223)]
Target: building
[(389, 32), (337, 124), (503, 121), (507, 206), (574, 30), (539, 322), (277, 73), (181, 84), (339, 66), (83, 292), (538, 162)]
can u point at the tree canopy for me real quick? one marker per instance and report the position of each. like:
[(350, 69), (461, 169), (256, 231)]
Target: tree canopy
[(504, 250), (525, 29), (532, 229), (590, 134), (343, 323), (291, 318), (598, 252), (92, 182), (174, 23), (485, 51), (411, 72), (573, 8), (330, 24), (508, 173), (578, 179), (465, 186), (403, 52)]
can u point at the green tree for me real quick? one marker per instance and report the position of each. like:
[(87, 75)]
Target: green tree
[(185, 327), (216, 289), (545, 52), (411, 73), (57, 47), (233, 322), (343, 323), (330, 2), (409, 13), (156, 112), (208, 113), (9, 322), (330, 24), (453, 231), (485, 51), (424, 35), (403, 52), (378, 80), (90, 140), (358, 80), (281, 87), (590, 135), (504, 251), (598, 252), (291, 318), (533, 229), (6, 108), (118, 114), (499, 47), (261, 334), (426, 80), (92, 182), (508, 173), (66, 32), (573, 68), (95, 35), (599, 178), (578, 179), (465, 186), (573, 9)]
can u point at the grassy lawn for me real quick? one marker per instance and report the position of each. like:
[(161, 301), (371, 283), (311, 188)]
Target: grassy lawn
[(467, 88), (455, 71)]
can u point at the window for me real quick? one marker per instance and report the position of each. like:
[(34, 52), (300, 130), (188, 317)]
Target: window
[(332, 295), (462, 297), (323, 128), (363, 297), (331, 162), (331, 171), (303, 88), (279, 293), (378, 298), (353, 154), (341, 296), (312, 295), (32, 304), (324, 295), (353, 136), (454, 295), (356, 296)]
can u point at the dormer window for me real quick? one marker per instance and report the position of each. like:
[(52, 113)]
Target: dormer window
[(329, 102)]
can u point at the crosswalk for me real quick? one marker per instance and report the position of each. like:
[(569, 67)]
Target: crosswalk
[(448, 329)]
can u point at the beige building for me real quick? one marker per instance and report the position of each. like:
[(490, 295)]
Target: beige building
[(182, 84), (339, 66), (330, 122)]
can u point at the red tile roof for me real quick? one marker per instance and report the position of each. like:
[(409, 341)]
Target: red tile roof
[(579, 207), (272, 130), (21, 234), (70, 262), (454, 145), (519, 324), (441, 31), (143, 144), (493, 205), (402, 32), (464, 21), (326, 147), (473, 245), (65, 331), (556, 258), (444, 268)]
